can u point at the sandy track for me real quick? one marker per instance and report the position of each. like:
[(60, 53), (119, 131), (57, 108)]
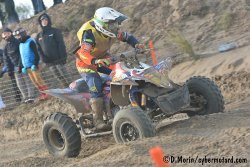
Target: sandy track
[(216, 135)]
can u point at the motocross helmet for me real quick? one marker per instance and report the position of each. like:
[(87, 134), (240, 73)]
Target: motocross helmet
[(107, 21), (20, 33)]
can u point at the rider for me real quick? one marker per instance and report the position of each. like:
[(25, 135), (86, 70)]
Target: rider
[(96, 37)]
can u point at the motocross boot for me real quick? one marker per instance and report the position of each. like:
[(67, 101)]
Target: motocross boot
[(97, 108), (108, 111)]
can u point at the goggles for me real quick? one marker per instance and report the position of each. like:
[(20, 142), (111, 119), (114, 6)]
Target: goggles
[(44, 17), (112, 26), (18, 32)]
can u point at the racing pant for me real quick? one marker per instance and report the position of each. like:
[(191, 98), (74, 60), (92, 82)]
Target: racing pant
[(95, 81)]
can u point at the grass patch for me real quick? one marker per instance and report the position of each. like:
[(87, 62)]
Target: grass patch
[(180, 41), (225, 21)]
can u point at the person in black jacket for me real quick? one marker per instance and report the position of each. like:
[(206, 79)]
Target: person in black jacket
[(8, 14), (52, 50), (4, 68), (57, 2), (38, 6), (12, 62), (11, 58)]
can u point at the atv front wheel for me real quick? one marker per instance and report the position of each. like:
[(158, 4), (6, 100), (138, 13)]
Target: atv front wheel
[(131, 124), (61, 136), (204, 94)]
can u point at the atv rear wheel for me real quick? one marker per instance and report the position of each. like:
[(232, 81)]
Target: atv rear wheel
[(204, 94), (61, 136), (131, 124)]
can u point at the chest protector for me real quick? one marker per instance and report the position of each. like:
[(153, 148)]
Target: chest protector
[(102, 43)]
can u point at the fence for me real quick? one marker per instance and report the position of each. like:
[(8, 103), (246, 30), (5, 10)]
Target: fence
[(8, 94)]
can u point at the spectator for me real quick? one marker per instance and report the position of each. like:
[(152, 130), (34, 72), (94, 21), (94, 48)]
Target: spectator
[(13, 65), (2, 105), (8, 13), (30, 60), (38, 6), (52, 50), (11, 11), (1, 57), (4, 68), (57, 2), (2, 16), (3, 71), (11, 59)]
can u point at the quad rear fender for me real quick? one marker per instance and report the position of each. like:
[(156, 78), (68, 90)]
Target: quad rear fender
[(79, 100)]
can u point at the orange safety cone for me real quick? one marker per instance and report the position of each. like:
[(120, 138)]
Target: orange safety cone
[(152, 52), (157, 155)]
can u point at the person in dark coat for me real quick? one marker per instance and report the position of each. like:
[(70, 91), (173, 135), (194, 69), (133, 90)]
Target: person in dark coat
[(4, 68), (10, 59), (11, 12), (52, 50), (12, 65), (1, 57), (8, 14), (57, 2), (38, 6)]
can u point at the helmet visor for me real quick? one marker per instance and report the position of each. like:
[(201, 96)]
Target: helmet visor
[(121, 18), (112, 27)]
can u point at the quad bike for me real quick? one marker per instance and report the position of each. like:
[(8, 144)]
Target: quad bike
[(138, 96)]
